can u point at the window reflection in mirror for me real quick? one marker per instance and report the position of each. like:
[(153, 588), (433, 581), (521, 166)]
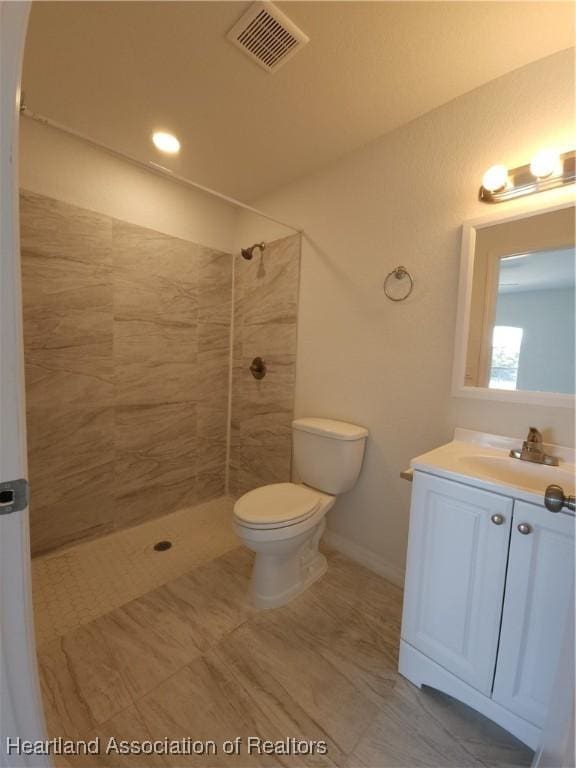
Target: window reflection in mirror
[(506, 348), (522, 319)]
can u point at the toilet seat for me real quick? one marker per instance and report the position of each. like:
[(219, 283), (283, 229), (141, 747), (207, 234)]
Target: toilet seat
[(276, 506)]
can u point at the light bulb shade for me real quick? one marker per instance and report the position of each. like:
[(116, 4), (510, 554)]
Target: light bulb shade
[(166, 142), (495, 178), (546, 163)]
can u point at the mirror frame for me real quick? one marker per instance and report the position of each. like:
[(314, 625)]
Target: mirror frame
[(469, 229)]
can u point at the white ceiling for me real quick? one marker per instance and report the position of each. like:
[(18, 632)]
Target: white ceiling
[(116, 71), (538, 271)]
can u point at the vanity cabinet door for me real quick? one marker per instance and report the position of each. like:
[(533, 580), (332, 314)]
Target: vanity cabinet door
[(457, 551), (539, 594)]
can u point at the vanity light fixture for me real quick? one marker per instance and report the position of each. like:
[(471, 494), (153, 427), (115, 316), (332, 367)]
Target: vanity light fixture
[(549, 169), (166, 142), (546, 163), (495, 178)]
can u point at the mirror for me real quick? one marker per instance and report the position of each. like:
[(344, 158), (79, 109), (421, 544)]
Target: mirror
[(516, 321)]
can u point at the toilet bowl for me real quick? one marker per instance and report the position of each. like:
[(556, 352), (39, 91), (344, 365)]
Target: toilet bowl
[(284, 522)]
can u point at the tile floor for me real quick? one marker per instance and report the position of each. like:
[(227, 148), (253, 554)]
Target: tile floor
[(192, 658), (73, 586)]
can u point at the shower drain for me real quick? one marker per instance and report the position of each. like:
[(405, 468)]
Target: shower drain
[(161, 546)]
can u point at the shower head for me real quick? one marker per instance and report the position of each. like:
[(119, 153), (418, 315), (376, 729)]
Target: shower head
[(247, 253)]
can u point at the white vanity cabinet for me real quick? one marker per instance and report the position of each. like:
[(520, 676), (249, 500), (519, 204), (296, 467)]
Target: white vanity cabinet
[(455, 576), (539, 589), (489, 582)]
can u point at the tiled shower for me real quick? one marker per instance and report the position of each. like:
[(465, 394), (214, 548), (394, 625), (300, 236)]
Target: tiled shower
[(265, 324), (130, 338)]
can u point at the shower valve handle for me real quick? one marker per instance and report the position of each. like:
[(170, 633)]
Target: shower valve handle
[(258, 368)]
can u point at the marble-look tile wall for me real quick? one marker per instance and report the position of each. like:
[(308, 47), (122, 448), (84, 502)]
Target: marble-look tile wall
[(127, 371), (265, 325)]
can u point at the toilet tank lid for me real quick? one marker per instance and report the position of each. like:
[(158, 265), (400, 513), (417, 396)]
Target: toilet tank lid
[(338, 430)]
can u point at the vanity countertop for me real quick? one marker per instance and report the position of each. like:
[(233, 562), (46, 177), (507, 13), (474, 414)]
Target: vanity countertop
[(482, 459)]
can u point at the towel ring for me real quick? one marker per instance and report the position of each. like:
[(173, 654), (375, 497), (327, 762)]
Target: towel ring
[(399, 273)]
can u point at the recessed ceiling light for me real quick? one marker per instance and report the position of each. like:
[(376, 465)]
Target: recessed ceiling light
[(166, 142)]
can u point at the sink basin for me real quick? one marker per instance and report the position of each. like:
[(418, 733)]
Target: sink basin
[(523, 474)]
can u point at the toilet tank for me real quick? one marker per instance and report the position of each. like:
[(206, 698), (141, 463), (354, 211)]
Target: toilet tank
[(328, 454)]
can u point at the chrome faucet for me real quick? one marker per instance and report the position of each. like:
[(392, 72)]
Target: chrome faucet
[(533, 450)]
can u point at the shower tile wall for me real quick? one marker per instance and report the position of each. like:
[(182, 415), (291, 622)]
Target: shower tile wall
[(127, 357), (265, 325)]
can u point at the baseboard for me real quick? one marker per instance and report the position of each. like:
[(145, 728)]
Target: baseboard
[(364, 557)]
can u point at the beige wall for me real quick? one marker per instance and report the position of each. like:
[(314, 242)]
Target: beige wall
[(265, 319), (60, 166), (402, 200), (127, 351)]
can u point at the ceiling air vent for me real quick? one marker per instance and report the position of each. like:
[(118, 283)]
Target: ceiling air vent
[(268, 36)]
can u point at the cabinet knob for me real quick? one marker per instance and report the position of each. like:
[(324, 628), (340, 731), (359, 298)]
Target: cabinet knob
[(497, 519), (524, 528)]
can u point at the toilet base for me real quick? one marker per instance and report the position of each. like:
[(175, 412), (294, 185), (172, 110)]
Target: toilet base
[(311, 572), (285, 567)]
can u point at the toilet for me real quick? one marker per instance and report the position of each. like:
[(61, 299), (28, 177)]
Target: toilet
[(284, 522)]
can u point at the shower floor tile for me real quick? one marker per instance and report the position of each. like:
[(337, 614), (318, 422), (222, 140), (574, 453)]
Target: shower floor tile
[(71, 587)]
